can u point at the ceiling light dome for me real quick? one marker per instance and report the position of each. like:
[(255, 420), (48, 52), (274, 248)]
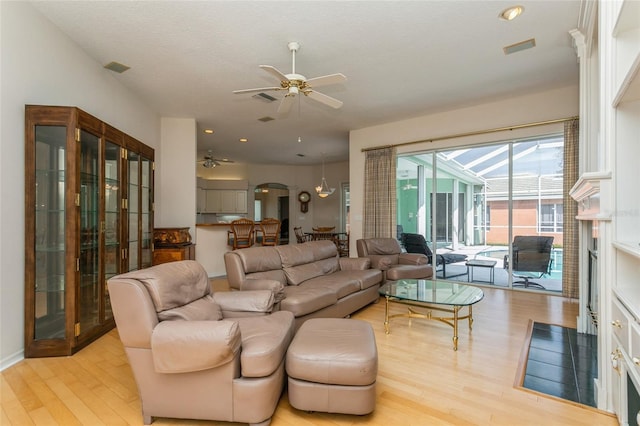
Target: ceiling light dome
[(511, 13)]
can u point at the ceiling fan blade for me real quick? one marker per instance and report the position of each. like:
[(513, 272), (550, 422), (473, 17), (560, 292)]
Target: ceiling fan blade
[(326, 80), (274, 72), (259, 89), (322, 98), (286, 104)]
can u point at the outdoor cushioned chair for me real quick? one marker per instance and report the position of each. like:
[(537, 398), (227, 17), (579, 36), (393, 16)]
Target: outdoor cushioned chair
[(415, 243), (531, 259), (385, 254), (197, 354)]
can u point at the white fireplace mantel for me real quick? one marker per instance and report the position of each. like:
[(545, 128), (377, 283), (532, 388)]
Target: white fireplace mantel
[(587, 191)]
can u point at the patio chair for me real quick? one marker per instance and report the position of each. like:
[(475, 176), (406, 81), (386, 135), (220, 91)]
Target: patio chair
[(531, 259), (415, 243)]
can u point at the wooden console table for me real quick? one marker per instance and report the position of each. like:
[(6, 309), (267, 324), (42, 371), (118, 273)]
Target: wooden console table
[(172, 244)]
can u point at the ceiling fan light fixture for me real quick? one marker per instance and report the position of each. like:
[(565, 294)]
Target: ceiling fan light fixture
[(209, 163), (511, 13)]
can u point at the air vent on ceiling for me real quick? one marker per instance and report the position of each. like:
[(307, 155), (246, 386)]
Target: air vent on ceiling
[(116, 67), (523, 45), (265, 119), (264, 97)]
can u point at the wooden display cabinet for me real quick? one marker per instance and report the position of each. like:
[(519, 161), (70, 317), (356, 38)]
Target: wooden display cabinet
[(88, 217)]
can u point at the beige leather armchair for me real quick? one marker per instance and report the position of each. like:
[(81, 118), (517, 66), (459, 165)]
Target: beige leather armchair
[(385, 254), (197, 354)]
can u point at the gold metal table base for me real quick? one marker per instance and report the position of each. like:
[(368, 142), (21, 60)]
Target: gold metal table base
[(412, 313)]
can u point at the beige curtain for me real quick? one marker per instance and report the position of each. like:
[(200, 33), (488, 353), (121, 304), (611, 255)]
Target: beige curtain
[(570, 225), (380, 193)]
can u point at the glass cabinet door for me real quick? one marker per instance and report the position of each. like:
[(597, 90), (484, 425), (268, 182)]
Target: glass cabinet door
[(49, 232), (133, 249), (146, 253), (90, 191), (111, 218)]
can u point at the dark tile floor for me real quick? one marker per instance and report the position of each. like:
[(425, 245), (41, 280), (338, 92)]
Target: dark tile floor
[(562, 363)]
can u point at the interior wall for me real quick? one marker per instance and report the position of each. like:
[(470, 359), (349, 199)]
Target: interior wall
[(175, 191), (40, 65), (547, 105)]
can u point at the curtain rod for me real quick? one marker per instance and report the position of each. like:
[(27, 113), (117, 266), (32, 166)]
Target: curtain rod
[(477, 132)]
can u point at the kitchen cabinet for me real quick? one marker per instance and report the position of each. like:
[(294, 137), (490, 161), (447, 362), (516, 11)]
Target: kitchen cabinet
[(225, 201), (88, 217)]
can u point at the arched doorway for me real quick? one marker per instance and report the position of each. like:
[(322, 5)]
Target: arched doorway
[(272, 200)]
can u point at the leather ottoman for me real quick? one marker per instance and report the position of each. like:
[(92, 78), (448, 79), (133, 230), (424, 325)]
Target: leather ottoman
[(332, 365)]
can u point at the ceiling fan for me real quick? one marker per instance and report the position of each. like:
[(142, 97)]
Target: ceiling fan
[(209, 162), (295, 84)]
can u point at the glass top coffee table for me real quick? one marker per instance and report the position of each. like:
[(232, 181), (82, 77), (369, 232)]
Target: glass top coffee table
[(434, 295)]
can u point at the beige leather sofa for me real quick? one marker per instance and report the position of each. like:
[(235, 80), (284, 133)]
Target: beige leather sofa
[(197, 354), (386, 255), (309, 278)]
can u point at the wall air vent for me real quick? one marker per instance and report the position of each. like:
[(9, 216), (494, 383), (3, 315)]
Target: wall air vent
[(264, 97), (523, 45), (265, 119), (116, 67)]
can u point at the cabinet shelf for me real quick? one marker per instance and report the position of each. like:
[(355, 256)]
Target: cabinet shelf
[(626, 33), (630, 248)]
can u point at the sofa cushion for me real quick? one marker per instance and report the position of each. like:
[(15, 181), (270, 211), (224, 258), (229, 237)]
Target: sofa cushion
[(301, 262), (274, 275), (305, 299), (299, 254), (203, 309), (173, 284), (264, 342), (365, 279), (259, 259), (343, 284), (301, 273)]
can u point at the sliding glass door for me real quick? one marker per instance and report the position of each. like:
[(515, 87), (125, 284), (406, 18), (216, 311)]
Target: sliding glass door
[(473, 201)]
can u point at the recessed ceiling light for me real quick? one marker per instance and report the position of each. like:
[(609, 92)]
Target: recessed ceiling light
[(208, 131), (511, 13), (243, 139)]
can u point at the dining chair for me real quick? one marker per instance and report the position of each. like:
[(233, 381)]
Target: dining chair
[(342, 242), (301, 237), (270, 228), (243, 233)]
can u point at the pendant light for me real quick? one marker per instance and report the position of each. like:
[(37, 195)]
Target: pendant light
[(323, 189)]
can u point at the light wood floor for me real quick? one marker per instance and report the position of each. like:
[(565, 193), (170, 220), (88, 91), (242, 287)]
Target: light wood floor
[(421, 380)]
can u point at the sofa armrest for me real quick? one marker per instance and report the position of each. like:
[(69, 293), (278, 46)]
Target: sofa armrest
[(354, 263), (412, 259), (186, 346), (276, 287), (260, 301), (381, 261)]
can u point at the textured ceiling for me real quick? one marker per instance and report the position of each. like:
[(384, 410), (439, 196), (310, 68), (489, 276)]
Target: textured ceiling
[(402, 59)]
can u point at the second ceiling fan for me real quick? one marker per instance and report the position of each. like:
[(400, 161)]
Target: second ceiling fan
[(295, 84)]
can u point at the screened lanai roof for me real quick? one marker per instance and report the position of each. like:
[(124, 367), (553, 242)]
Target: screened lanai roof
[(542, 156)]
